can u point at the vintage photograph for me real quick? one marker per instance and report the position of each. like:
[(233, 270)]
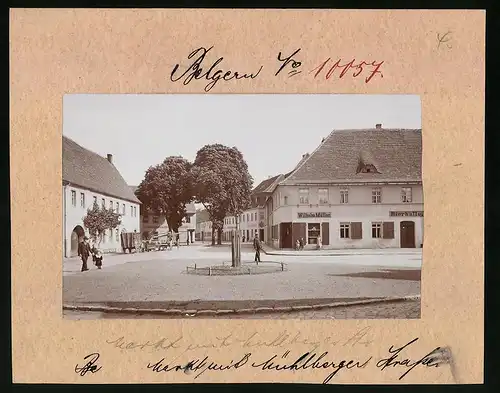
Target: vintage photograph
[(242, 206)]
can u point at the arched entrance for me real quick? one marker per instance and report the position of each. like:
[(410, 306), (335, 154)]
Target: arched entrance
[(76, 237)]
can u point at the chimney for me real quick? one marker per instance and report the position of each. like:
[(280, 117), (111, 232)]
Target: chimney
[(110, 158), (378, 126)]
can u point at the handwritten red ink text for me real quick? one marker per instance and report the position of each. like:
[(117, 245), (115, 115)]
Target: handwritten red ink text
[(371, 69)]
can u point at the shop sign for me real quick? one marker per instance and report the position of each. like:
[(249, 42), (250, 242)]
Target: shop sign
[(407, 214), (315, 215)]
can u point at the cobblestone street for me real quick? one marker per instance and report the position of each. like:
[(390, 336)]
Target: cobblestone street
[(392, 310)]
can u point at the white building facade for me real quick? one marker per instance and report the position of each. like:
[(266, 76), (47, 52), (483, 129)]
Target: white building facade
[(89, 178), (348, 216), (76, 202)]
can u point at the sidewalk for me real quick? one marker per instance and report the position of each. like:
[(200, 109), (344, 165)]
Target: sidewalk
[(342, 252)]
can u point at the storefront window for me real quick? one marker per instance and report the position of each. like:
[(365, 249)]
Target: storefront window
[(344, 231), (313, 233), (376, 230)]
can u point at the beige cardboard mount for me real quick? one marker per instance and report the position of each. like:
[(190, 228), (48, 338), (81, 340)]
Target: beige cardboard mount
[(438, 55)]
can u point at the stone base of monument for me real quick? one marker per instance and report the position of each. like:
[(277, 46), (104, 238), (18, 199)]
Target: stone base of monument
[(246, 268)]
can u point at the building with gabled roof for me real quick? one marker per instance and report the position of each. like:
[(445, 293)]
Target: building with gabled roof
[(358, 189), (88, 177)]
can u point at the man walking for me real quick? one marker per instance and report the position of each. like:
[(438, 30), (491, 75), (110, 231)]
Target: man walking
[(257, 247), (84, 252)]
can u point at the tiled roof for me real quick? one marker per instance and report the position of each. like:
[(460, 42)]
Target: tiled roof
[(86, 169), (395, 153), (264, 185)]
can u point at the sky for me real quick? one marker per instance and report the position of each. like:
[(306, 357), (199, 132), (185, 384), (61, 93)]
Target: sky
[(272, 131)]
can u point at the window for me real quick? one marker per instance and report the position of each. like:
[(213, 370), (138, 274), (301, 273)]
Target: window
[(344, 195), (304, 196), (123, 209), (261, 215), (376, 195), (82, 199), (243, 216), (188, 220), (103, 203), (313, 233), (323, 196), (145, 218), (248, 216), (376, 230), (155, 219), (344, 230), (73, 198), (285, 200), (111, 207), (406, 194), (135, 211), (131, 211), (117, 207), (117, 234)]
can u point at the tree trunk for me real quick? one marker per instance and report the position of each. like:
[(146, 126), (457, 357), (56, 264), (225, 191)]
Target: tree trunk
[(236, 262), (219, 236), (213, 236)]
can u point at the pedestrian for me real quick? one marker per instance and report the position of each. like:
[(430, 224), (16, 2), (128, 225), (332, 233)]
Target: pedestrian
[(84, 252), (177, 239), (320, 244), (257, 246), (301, 243), (297, 245), (187, 240), (97, 257)]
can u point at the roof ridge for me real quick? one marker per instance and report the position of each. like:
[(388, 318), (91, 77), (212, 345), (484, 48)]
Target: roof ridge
[(305, 159), (84, 148)]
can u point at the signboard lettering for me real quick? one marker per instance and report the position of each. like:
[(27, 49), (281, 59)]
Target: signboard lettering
[(407, 214), (315, 215)]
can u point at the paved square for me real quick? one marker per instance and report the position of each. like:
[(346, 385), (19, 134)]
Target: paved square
[(161, 276)]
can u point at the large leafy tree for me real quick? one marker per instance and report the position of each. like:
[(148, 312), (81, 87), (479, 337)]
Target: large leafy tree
[(166, 189), (222, 183), (99, 219)]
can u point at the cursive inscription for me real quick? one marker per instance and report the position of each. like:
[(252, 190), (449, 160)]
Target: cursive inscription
[(289, 60), (91, 365), (255, 339), (371, 69), (309, 361), (432, 359), (198, 365), (213, 75)]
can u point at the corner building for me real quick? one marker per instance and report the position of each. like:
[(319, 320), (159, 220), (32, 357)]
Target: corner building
[(358, 189)]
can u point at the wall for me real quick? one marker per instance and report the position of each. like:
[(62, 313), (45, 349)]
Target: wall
[(73, 216), (358, 209)]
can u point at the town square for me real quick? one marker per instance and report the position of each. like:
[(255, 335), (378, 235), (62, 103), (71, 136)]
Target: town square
[(223, 230)]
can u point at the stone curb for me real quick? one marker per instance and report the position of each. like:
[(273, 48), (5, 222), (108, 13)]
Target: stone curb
[(274, 253), (238, 311)]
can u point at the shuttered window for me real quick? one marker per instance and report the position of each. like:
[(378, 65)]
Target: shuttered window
[(388, 230), (356, 230)]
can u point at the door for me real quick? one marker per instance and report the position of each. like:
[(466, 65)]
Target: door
[(407, 234), (286, 235), (299, 230), (261, 234), (325, 233)]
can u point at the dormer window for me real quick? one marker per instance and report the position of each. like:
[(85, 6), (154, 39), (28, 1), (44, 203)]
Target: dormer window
[(368, 168)]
